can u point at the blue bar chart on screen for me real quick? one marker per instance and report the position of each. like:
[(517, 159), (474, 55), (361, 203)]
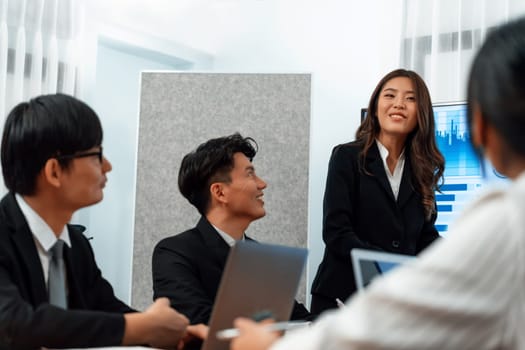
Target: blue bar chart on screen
[(464, 176)]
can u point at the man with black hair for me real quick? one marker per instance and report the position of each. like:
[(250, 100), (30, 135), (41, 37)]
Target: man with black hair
[(52, 293), (219, 179)]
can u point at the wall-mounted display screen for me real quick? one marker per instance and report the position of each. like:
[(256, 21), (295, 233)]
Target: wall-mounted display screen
[(464, 176)]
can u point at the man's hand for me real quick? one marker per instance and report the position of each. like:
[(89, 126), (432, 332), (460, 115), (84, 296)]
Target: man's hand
[(193, 333), (159, 326), (254, 336), (170, 326)]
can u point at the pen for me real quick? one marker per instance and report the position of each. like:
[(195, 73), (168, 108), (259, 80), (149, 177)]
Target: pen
[(230, 333), (339, 303)]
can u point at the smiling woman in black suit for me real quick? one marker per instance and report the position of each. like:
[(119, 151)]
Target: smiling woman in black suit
[(380, 188)]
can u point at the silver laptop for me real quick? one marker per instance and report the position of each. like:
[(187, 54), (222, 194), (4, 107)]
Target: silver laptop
[(368, 264), (258, 279)]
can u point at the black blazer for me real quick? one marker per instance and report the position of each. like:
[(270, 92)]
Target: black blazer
[(187, 268), (360, 211), (27, 320)]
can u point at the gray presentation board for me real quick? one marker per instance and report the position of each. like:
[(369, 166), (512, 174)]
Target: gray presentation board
[(180, 110)]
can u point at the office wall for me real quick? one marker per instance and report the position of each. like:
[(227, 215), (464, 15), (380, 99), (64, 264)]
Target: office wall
[(346, 45), (116, 101), (178, 111)]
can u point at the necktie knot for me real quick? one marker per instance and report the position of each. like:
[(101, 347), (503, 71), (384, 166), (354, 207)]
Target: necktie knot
[(57, 249)]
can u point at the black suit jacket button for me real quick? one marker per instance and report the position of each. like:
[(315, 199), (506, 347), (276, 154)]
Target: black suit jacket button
[(395, 244)]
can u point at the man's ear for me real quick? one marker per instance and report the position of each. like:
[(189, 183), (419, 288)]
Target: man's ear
[(52, 172), (217, 192)]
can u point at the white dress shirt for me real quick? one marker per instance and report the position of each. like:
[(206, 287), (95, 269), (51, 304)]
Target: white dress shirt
[(467, 291), (229, 239), (393, 178)]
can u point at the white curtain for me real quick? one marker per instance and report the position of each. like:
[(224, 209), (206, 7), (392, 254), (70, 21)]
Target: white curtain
[(440, 38), (40, 49)]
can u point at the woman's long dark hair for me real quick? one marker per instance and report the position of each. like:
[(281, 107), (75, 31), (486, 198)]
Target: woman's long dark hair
[(426, 160)]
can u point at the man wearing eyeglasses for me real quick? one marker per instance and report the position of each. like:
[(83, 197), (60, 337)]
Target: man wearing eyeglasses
[(52, 293)]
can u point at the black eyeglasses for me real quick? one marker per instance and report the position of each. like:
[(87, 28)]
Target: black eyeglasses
[(99, 154)]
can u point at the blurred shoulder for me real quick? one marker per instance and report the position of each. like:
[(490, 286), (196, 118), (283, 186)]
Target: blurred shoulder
[(496, 214)]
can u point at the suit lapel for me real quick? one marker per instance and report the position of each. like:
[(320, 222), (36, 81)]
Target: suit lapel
[(75, 296), (26, 247), (406, 190), (213, 241)]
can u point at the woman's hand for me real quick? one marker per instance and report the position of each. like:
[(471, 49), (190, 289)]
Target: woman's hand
[(254, 336)]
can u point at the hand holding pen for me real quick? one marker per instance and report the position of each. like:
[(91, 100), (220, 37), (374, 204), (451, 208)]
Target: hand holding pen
[(231, 333), (253, 335), (263, 318)]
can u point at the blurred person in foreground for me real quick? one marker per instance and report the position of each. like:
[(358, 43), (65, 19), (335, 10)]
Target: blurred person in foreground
[(466, 291)]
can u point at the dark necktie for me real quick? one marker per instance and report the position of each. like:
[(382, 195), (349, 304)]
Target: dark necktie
[(57, 281)]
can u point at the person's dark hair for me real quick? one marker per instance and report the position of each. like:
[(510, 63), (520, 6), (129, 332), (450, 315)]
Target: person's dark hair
[(46, 126), (426, 160), (211, 162), (497, 83)]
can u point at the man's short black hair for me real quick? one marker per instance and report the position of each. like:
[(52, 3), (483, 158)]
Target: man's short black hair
[(211, 162), (42, 128)]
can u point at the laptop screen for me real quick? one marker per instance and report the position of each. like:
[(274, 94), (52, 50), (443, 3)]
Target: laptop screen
[(369, 264), (258, 278)]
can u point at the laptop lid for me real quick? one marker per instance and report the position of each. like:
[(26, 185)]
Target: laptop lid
[(368, 264), (257, 279)]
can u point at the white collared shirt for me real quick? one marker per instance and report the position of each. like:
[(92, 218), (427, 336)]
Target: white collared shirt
[(227, 238), (395, 178), (42, 234)]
